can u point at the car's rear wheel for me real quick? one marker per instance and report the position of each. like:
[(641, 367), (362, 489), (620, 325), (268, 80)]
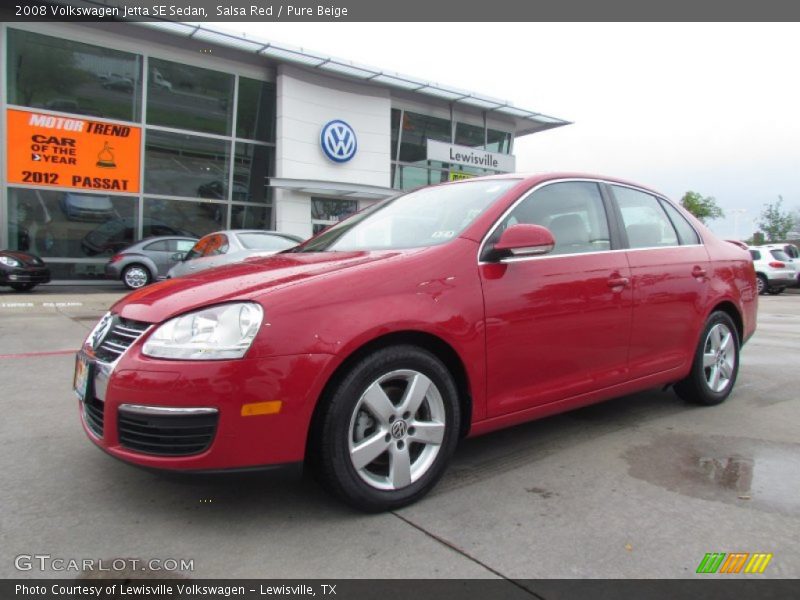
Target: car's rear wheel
[(23, 287), (761, 284), (136, 276), (389, 428), (715, 365)]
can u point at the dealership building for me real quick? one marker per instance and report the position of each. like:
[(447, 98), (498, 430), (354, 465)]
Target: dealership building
[(115, 132)]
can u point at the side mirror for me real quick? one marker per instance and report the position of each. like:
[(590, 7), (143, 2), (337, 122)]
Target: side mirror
[(178, 256), (523, 240)]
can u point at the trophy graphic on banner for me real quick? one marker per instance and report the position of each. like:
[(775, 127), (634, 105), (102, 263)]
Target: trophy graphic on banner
[(105, 158)]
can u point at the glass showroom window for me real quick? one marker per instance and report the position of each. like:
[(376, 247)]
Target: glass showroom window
[(245, 216), (188, 97), (470, 135), (255, 113), (72, 77), (73, 224), (326, 212), (416, 130), (182, 217), (186, 165), (498, 141), (253, 164)]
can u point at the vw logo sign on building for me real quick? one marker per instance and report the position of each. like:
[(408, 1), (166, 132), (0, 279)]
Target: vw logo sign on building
[(338, 141)]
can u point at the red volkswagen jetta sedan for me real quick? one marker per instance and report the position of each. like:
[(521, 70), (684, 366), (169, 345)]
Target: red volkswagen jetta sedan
[(368, 351)]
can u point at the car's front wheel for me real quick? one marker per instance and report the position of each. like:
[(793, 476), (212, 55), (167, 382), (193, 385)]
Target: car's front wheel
[(22, 287), (388, 429), (136, 276), (715, 365)]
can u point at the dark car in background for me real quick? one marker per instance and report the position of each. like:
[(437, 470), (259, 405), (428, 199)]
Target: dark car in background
[(148, 260), (22, 271)]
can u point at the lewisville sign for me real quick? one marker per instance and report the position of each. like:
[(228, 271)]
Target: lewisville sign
[(471, 157)]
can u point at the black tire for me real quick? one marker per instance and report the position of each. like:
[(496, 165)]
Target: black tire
[(345, 413), (696, 387), (23, 287), (136, 276), (775, 291), (761, 284)]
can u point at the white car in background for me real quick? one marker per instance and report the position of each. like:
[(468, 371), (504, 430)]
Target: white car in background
[(774, 269), (230, 246), (792, 256)]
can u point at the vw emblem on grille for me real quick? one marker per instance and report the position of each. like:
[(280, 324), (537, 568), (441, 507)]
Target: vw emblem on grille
[(101, 330), (338, 141), (399, 429)]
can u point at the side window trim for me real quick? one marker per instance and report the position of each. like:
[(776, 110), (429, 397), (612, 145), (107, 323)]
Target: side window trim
[(616, 226)]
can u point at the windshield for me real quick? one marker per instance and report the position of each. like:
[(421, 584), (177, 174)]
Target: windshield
[(425, 217), (264, 241)]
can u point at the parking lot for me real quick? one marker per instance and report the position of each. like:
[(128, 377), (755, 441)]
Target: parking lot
[(639, 487)]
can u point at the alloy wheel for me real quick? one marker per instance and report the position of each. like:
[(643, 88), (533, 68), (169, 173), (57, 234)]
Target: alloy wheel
[(396, 429), (136, 277), (719, 356)]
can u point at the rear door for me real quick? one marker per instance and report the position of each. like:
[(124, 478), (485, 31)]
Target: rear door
[(558, 325), (669, 270)]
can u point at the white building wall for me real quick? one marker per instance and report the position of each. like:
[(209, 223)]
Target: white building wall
[(305, 103)]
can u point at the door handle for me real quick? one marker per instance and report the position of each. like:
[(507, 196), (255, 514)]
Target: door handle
[(618, 282), (698, 272)]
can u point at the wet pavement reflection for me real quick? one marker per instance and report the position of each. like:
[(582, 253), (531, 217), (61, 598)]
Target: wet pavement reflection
[(735, 470)]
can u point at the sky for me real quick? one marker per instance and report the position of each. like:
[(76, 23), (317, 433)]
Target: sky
[(710, 108)]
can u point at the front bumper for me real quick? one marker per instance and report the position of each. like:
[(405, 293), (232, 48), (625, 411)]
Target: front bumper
[(238, 441), (25, 274), (781, 282)]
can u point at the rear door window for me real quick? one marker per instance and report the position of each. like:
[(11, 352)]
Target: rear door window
[(645, 221)]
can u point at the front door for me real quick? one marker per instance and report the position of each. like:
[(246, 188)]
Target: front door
[(557, 326)]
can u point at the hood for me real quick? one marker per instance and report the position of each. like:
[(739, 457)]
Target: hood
[(239, 281)]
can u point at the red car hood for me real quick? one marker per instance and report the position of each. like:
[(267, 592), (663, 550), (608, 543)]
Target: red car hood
[(238, 281)]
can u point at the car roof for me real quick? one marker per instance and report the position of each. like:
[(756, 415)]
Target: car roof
[(532, 179)]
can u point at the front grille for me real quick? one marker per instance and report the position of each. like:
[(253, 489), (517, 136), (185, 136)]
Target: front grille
[(166, 435), (93, 411), (120, 337)]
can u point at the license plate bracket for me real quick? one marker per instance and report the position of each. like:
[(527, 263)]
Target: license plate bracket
[(82, 380)]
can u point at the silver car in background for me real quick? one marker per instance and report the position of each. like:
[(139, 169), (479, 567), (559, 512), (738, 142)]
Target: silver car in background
[(230, 246), (148, 260)]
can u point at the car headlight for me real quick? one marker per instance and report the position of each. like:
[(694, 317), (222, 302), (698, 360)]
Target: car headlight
[(10, 262), (215, 333)]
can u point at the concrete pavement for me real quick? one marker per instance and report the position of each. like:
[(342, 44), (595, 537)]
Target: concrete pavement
[(641, 486)]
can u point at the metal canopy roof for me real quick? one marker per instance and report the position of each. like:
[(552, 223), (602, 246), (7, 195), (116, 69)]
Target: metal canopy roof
[(527, 121)]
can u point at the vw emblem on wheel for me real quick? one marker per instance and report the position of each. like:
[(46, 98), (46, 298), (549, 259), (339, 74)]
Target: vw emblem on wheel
[(338, 141), (398, 429)]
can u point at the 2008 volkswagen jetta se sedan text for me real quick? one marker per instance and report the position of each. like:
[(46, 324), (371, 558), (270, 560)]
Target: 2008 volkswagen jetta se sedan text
[(368, 351)]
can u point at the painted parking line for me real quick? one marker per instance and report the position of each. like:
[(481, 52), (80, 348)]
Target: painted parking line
[(38, 354), (43, 304)]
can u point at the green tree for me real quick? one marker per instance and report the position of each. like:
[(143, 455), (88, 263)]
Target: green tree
[(703, 207), (775, 222)]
